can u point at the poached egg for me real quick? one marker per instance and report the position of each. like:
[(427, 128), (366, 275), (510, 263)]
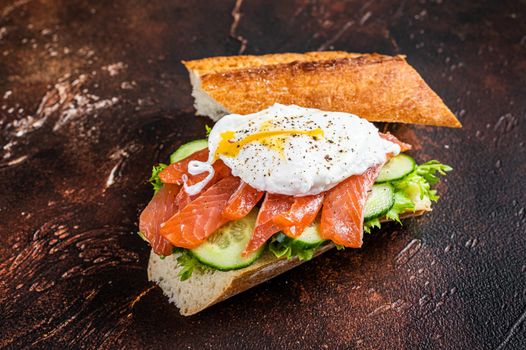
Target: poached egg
[(291, 150)]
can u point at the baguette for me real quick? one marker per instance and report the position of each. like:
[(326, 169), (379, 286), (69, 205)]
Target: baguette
[(206, 288), (376, 87)]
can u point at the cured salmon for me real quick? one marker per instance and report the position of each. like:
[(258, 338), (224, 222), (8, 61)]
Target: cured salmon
[(173, 173), (342, 212), (220, 171), (273, 205), (343, 209), (161, 207), (174, 218), (389, 137), (242, 202), (300, 215), (191, 225)]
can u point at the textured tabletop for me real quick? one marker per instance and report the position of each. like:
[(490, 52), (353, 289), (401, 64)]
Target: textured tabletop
[(92, 93)]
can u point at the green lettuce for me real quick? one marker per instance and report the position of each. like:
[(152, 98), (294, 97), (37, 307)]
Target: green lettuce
[(423, 177), (282, 246), (208, 129), (154, 179), (143, 236), (369, 225), (188, 263), (402, 204), (419, 181)]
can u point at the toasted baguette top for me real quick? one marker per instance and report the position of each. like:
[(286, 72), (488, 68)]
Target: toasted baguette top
[(375, 87), (225, 64)]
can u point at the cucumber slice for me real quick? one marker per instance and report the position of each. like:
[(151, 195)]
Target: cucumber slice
[(222, 250), (396, 168), (310, 237), (188, 149), (380, 200)]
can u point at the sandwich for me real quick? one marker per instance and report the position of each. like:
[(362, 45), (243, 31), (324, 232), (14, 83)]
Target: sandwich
[(293, 167)]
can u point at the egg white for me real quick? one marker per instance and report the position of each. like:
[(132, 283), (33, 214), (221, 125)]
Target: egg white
[(307, 166)]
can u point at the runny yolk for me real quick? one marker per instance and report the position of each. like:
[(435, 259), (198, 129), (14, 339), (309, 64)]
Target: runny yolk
[(274, 139)]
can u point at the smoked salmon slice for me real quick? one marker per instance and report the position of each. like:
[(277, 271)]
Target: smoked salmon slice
[(273, 205), (300, 215), (191, 225), (343, 209), (173, 173), (242, 202), (175, 218), (161, 207), (220, 171), (389, 137)]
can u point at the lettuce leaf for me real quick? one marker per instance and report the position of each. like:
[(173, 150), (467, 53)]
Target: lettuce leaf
[(371, 224), (154, 179), (207, 130), (423, 177), (282, 246), (188, 263), (419, 181), (143, 237), (402, 204)]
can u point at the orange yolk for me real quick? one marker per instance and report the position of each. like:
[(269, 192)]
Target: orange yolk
[(274, 139)]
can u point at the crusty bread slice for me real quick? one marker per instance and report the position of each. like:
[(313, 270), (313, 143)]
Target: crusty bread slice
[(376, 87), (227, 64), (206, 288)]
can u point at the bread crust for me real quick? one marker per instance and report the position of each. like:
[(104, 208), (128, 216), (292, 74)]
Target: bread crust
[(226, 64), (376, 87)]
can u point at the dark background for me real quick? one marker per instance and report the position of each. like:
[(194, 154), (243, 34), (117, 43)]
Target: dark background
[(93, 93)]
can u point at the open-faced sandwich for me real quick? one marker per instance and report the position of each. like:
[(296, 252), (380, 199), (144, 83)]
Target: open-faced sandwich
[(293, 167)]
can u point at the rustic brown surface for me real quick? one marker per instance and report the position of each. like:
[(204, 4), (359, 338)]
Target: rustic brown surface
[(92, 93)]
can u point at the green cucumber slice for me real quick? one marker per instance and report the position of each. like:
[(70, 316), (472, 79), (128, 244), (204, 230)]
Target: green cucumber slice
[(396, 168), (222, 250), (188, 149), (380, 200), (310, 237)]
